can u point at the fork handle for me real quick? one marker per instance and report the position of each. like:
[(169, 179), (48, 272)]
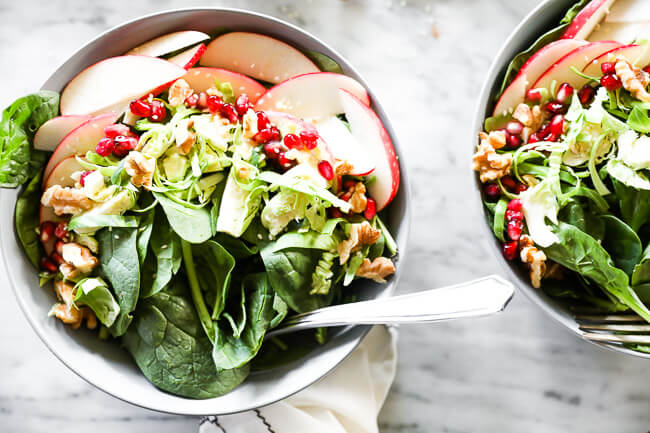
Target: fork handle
[(481, 297)]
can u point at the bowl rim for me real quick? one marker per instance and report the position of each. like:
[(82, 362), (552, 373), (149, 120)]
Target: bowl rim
[(483, 102), (356, 333)]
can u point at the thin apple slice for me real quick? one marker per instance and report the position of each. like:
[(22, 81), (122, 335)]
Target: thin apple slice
[(110, 84), (257, 56), (50, 134), (311, 95), (561, 71), (61, 174), (534, 67), (201, 79), (638, 54), (587, 19), (80, 140), (168, 43), (344, 147), (188, 58), (370, 133), (629, 11), (625, 33)]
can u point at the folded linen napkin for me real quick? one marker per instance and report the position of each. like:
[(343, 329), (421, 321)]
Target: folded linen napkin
[(346, 401)]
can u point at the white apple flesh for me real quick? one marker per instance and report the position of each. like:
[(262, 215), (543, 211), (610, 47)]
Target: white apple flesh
[(625, 33), (587, 19), (50, 134), (258, 56), (629, 11), (284, 121), (201, 79), (638, 54), (311, 95), (534, 67), (108, 86), (344, 146), (189, 57), (370, 133), (168, 43)]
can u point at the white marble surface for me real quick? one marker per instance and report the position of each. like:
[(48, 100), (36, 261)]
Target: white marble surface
[(513, 373)]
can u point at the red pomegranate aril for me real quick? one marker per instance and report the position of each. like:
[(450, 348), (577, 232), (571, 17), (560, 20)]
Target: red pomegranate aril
[(492, 191), (61, 230), (285, 162), (647, 69), (230, 112), (551, 137), (515, 228), (586, 94), (564, 93), (292, 141), (140, 108), (533, 138), (275, 133), (325, 169), (509, 250), (47, 231), (123, 145), (48, 265), (611, 82), (534, 95), (58, 246), (214, 103), (557, 124), (262, 121), (309, 139), (272, 150), (608, 68), (112, 131), (514, 127), (57, 258), (521, 187), (515, 204), (242, 104), (514, 215), (105, 147), (508, 182), (555, 107), (371, 209), (264, 136), (513, 140), (82, 178), (192, 101), (158, 111)]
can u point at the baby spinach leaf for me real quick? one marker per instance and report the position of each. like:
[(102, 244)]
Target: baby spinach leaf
[(235, 246), (323, 62), (622, 243), (634, 204), (232, 351), (119, 264), (26, 220), (192, 225), (145, 227), (281, 310), (641, 273), (172, 351), (639, 120), (19, 162), (216, 266), (167, 255), (94, 293), (499, 225)]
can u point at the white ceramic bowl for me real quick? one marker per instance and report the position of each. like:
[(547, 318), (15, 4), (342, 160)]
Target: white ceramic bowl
[(105, 364)]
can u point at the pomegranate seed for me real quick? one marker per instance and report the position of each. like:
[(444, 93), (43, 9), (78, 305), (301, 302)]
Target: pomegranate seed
[(610, 82), (586, 94), (229, 111), (515, 228), (123, 145), (309, 139), (325, 169), (284, 161), (492, 191), (264, 136), (292, 141), (508, 182), (647, 69), (534, 95), (371, 209), (272, 150), (192, 101), (557, 124), (82, 178), (275, 133), (48, 265), (105, 147), (214, 103), (140, 108), (262, 121), (203, 100), (346, 196), (555, 107), (564, 93), (521, 187), (533, 138), (61, 230), (514, 127), (112, 131), (551, 137), (158, 111), (544, 130), (57, 258), (515, 204), (242, 104), (512, 215), (47, 231), (334, 212), (513, 140), (58, 246), (608, 68), (509, 250)]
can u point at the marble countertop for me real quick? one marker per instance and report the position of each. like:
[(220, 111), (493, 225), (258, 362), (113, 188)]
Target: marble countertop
[(425, 59)]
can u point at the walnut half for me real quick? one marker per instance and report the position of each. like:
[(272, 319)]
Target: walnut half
[(140, 168), (490, 164), (534, 258), (377, 270), (360, 234), (65, 200)]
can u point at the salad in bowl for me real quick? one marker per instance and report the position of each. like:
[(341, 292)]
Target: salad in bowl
[(564, 159), (182, 199)]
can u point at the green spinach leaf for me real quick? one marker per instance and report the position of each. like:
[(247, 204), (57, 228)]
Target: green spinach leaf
[(192, 225), (639, 120), (641, 273), (166, 254), (634, 204), (26, 220), (622, 243), (94, 293), (323, 62), (216, 266)]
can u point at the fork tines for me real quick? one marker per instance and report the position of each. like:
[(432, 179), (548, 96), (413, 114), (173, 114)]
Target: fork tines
[(614, 328)]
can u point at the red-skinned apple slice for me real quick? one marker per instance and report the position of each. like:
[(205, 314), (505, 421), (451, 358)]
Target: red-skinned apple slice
[(344, 147), (634, 53), (80, 140), (534, 67), (188, 58), (311, 95), (50, 134), (257, 56), (622, 32), (561, 71), (587, 19), (201, 79), (169, 43), (110, 84), (370, 133)]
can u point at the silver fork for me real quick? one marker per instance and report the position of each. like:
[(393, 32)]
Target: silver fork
[(485, 296), (603, 328)]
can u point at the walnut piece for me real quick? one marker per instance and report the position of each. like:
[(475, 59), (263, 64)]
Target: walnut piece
[(65, 200), (140, 168), (534, 258), (185, 138), (490, 164), (67, 311), (358, 200), (529, 117), (79, 256), (360, 234), (342, 168), (634, 79), (179, 92), (376, 270)]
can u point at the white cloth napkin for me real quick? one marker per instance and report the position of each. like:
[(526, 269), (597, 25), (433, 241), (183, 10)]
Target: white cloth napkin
[(346, 401)]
